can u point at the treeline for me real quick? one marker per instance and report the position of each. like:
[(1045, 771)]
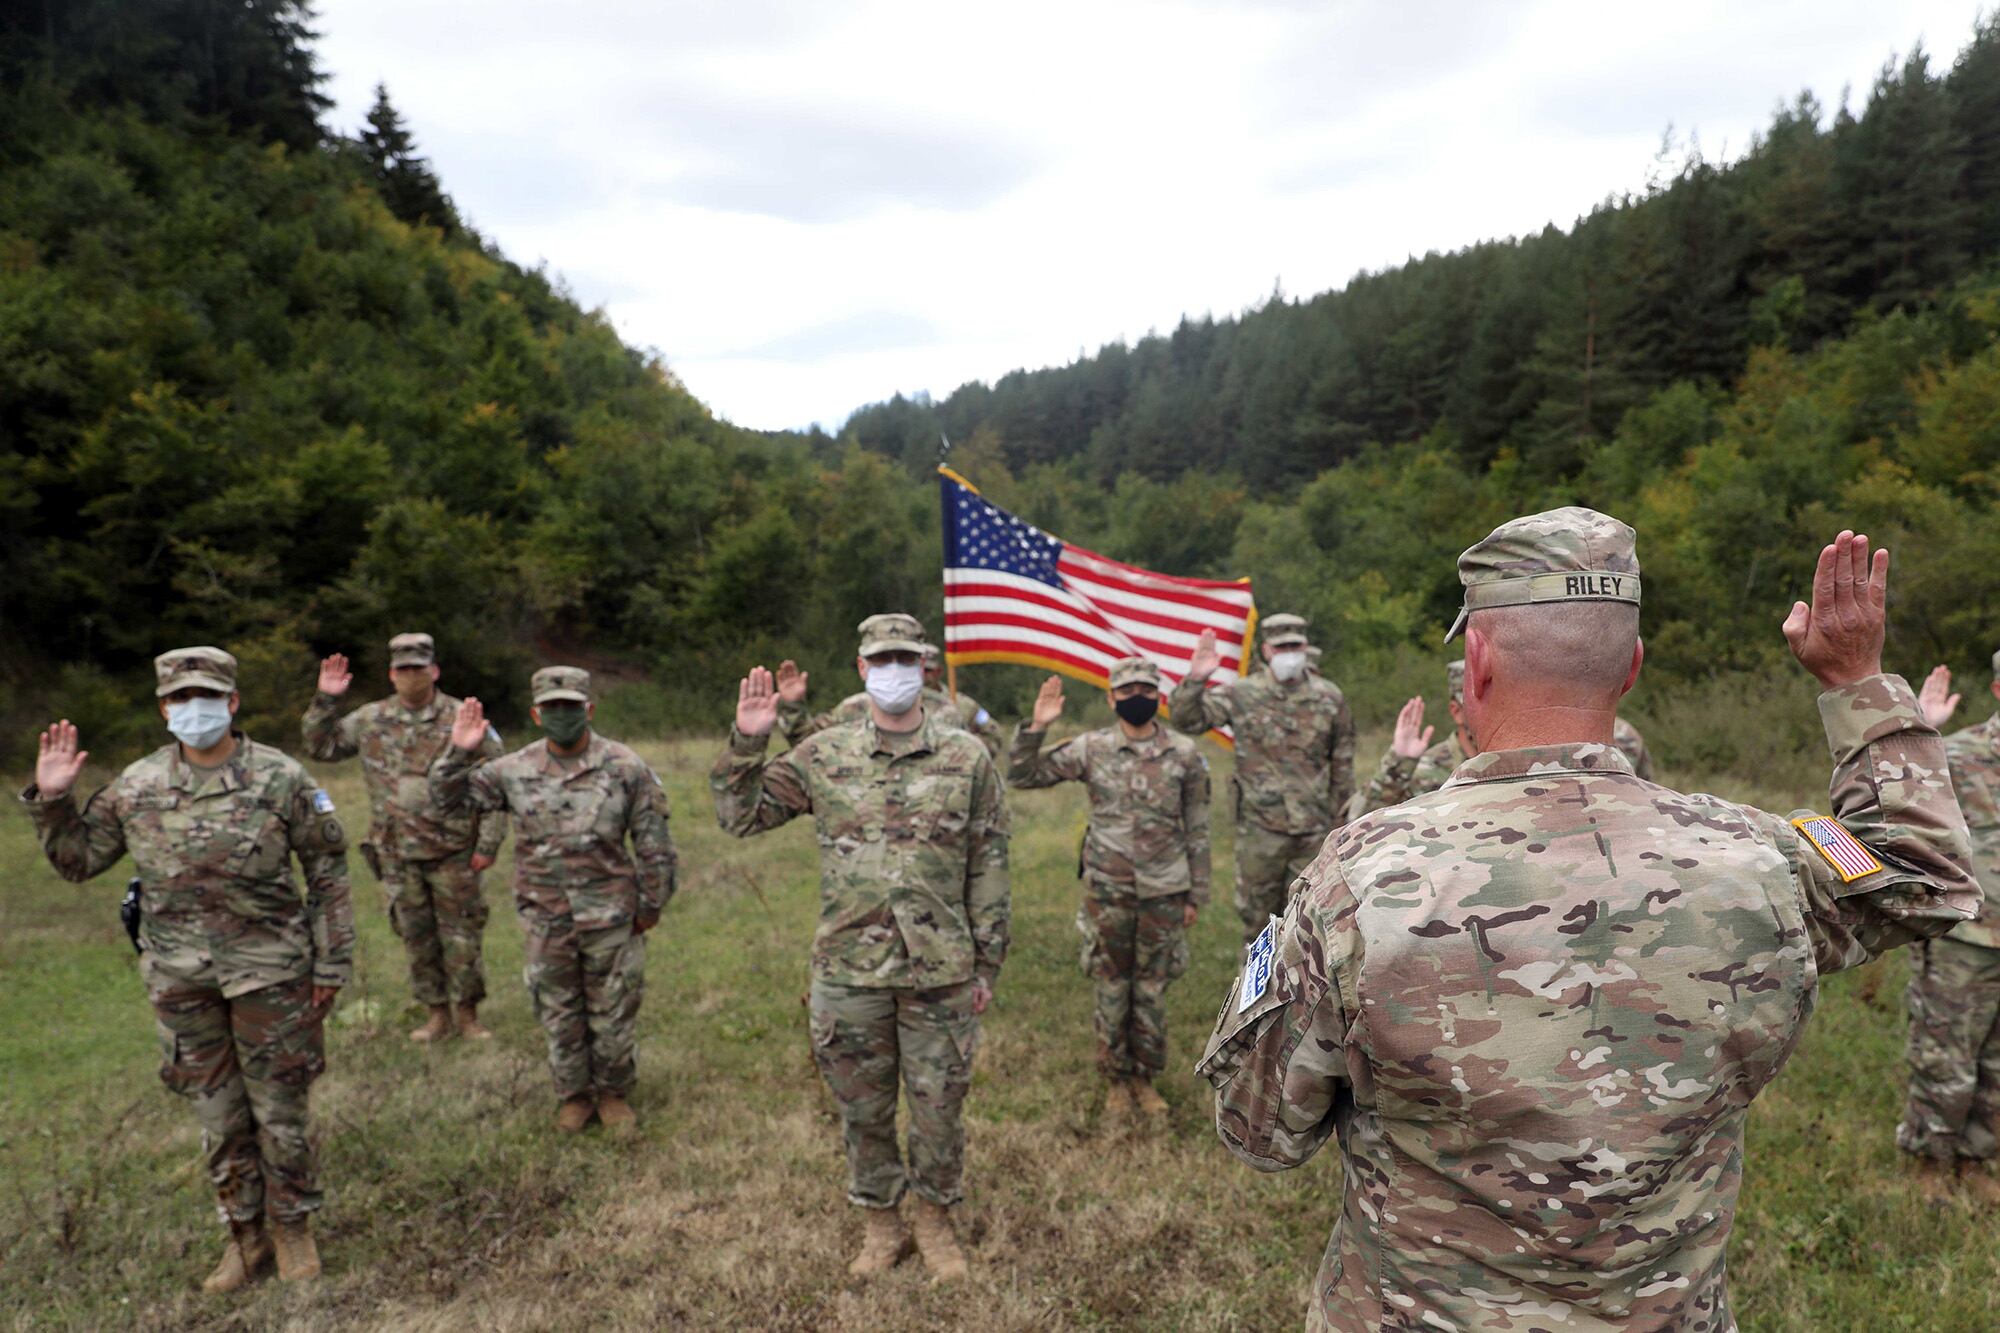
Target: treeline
[(263, 385)]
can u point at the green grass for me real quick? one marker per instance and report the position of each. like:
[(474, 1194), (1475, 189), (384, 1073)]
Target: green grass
[(453, 1203)]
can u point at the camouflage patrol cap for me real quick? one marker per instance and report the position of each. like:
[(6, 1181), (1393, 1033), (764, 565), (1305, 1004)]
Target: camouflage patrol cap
[(559, 683), (933, 657), (1560, 555), (412, 650), (1454, 681), (194, 668), (1282, 630), (1134, 671), (891, 632)]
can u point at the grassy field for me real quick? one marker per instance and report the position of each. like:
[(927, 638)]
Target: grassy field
[(454, 1204)]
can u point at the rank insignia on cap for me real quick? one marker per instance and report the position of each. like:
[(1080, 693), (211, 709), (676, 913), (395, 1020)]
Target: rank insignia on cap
[(322, 803), (1838, 846), (1257, 967)]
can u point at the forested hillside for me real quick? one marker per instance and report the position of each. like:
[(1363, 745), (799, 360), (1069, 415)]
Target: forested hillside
[(263, 384)]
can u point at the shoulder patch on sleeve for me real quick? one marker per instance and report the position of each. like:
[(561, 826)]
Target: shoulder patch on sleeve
[(1848, 857), (493, 733), (322, 803), (981, 718)]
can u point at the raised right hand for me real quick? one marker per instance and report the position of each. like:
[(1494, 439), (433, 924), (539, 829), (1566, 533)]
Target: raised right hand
[(58, 761), (468, 729), (791, 682), (1048, 704), (756, 703), (1839, 636), (335, 675), (1935, 700), (1408, 743), (1206, 660)]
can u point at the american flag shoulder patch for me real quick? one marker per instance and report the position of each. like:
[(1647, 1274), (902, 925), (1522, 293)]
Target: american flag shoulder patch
[(1838, 846)]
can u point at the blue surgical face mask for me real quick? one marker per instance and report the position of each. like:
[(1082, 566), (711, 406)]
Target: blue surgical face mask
[(200, 722)]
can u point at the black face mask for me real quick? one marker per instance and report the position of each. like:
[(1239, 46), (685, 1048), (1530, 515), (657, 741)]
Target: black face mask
[(1137, 709)]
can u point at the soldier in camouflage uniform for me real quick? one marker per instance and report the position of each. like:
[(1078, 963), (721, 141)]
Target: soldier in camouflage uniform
[(239, 970), (1949, 1121), (429, 864), (1294, 759), (963, 712), (1534, 1007), (585, 903), (1144, 864), (912, 928)]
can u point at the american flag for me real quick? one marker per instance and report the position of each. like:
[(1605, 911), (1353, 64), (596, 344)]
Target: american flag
[(1013, 593), (1839, 847)]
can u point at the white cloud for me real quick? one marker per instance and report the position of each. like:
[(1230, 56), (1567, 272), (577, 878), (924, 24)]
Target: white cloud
[(806, 207)]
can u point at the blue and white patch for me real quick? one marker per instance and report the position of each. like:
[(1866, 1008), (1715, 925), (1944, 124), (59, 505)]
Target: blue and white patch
[(322, 803), (492, 733), (981, 718), (1257, 967)]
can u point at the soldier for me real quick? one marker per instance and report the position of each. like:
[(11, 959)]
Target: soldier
[(1949, 1121), (429, 863), (971, 714), (1294, 759), (1144, 865), (239, 971), (585, 903), (912, 927), (963, 712), (1534, 1006)]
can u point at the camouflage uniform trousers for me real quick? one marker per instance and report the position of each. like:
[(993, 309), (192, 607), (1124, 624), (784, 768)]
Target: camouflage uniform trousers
[(1133, 947), (1953, 1052), (863, 1037), (586, 986), (439, 913), (247, 1064), (1266, 865)]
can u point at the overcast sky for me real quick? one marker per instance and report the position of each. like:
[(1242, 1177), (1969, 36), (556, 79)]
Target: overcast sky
[(808, 205)]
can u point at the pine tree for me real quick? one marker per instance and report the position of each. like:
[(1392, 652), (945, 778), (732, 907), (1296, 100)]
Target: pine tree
[(405, 180)]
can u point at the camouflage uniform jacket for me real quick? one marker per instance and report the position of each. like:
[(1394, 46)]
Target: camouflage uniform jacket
[(1398, 778), (219, 906), (1294, 746), (1627, 738), (1975, 775), (397, 747), (1536, 1004), (964, 713), (912, 843), (1148, 805), (571, 822)]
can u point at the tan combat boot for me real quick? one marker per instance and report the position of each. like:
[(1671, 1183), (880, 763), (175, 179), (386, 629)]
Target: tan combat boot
[(467, 1020), (1144, 1099), (574, 1114), (246, 1256), (1118, 1107), (437, 1027), (884, 1242), (298, 1257), (617, 1115), (1937, 1179), (936, 1243)]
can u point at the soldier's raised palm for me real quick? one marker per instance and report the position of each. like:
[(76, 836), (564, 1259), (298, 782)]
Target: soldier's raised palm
[(1839, 636), (1408, 741), (791, 682), (335, 675), (58, 761), (756, 703), (1207, 659), (1048, 704), (1935, 700), (468, 729)]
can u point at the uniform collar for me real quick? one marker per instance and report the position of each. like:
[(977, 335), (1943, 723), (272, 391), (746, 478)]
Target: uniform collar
[(1145, 746), (183, 776), (428, 713), (926, 735), (1539, 760), (592, 756)]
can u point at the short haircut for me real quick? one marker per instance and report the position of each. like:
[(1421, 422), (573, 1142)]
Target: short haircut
[(1581, 646)]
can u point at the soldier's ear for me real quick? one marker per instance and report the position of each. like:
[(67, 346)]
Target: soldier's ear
[(861, 667), (1478, 664), (589, 709), (235, 702), (436, 671), (1632, 676)]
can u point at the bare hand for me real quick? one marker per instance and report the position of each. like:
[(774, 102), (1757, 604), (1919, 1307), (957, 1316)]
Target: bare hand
[(756, 704), (468, 730), (982, 995), (1048, 704), (643, 924), (480, 863), (1935, 700), (322, 998), (335, 675), (1206, 660), (1408, 743), (58, 761), (1838, 638), (1188, 914), (791, 682)]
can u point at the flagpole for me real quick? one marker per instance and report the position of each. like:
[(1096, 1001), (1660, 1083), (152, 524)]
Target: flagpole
[(950, 667)]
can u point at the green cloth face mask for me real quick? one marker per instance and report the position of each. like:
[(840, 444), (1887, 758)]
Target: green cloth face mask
[(565, 724)]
